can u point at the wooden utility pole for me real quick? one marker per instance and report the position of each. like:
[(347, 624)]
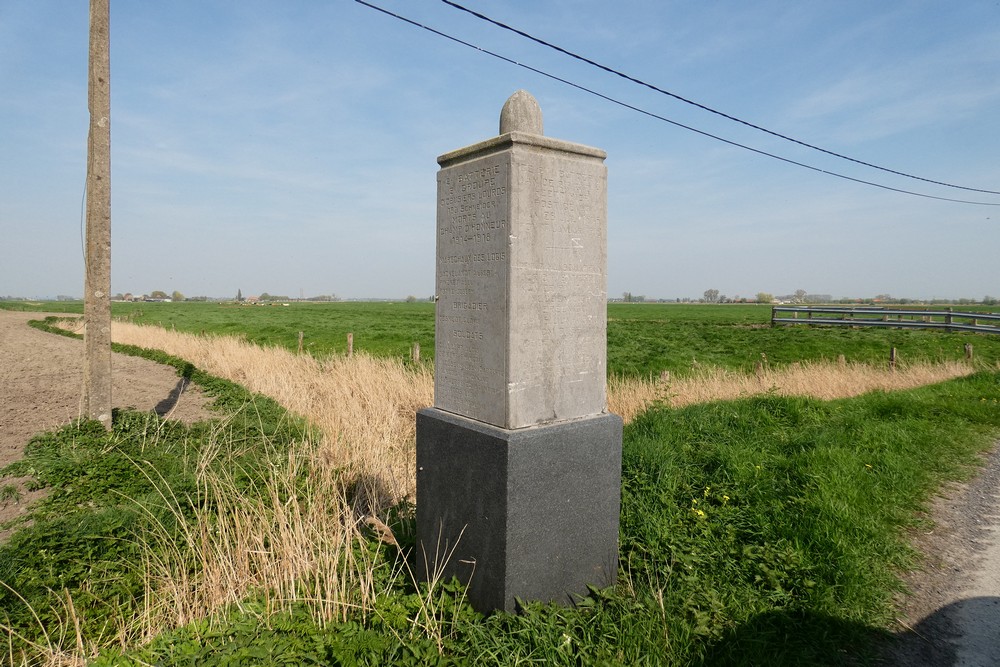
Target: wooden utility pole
[(97, 279)]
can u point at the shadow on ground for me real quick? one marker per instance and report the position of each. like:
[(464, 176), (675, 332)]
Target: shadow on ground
[(795, 638), (164, 407), (964, 633)]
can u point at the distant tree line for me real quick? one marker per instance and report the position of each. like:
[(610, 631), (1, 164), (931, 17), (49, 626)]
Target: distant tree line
[(802, 296), (265, 296)]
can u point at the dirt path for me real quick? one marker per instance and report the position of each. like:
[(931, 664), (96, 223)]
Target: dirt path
[(41, 381), (952, 614)]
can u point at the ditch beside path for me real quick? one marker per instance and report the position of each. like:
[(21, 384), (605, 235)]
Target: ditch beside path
[(951, 616), (41, 384)]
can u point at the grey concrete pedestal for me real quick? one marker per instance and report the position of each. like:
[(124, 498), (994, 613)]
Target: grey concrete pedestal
[(530, 513)]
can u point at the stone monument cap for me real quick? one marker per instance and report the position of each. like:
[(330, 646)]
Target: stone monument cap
[(521, 113)]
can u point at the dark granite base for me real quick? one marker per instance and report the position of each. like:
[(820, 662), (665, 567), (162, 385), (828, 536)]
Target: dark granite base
[(530, 513)]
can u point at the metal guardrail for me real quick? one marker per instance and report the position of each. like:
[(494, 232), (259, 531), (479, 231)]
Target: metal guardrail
[(945, 320)]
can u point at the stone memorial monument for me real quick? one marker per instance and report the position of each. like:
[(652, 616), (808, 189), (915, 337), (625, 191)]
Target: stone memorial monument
[(519, 462)]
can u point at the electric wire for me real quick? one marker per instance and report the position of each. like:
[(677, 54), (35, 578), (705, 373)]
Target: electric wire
[(703, 107), (663, 118)]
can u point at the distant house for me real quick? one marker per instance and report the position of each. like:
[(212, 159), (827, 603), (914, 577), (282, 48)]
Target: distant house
[(252, 299), (128, 297)]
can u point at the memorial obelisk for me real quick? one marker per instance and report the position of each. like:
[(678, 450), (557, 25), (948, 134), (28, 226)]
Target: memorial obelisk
[(519, 462)]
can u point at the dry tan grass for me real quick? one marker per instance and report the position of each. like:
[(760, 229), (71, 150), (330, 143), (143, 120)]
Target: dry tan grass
[(363, 405), (291, 541), (629, 397)]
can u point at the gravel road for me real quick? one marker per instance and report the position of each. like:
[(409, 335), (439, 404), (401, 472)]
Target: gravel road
[(952, 614)]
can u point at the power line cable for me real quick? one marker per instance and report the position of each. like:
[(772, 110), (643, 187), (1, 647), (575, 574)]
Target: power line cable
[(662, 118), (704, 107)]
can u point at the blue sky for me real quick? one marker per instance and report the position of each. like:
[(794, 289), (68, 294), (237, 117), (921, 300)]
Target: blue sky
[(291, 147)]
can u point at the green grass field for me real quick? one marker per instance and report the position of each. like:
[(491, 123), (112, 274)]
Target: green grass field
[(643, 339), (649, 338), (766, 530)]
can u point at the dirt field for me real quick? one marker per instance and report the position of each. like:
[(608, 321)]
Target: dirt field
[(951, 616), (41, 383)]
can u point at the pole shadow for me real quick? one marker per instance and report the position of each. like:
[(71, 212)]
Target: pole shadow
[(164, 407), (964, 633)]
